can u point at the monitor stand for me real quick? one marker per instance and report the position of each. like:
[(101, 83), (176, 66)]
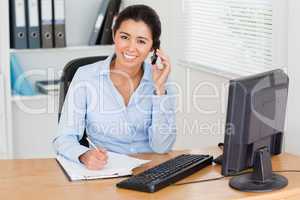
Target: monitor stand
[(262, 179)]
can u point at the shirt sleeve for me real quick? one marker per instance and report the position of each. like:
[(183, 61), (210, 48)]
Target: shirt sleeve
[(162, 131), (72, 121)]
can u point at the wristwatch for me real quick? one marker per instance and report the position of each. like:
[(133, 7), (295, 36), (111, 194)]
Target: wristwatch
[(155, 92)]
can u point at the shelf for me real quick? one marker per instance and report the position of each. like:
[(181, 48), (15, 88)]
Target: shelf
[(45, 64), (16, 98), (65, 49)]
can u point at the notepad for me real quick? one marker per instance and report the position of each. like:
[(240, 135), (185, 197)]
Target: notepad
[(117, 165)]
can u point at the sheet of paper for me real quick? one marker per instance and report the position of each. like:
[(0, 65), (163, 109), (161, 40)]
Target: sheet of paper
[(117, 165)]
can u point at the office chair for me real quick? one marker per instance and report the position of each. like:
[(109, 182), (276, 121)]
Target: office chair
[(66, 78)]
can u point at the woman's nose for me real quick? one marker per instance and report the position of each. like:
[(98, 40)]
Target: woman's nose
[(132, 45)]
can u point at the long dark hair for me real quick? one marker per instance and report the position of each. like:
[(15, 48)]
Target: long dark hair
[(145, 14)]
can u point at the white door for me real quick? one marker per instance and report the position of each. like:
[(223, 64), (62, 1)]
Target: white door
[(3, 139)]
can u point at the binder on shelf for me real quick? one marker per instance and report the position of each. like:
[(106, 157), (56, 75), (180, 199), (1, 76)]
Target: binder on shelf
[(33, 28), (111, 14), (46, 20), (59, 23), (98, 28), (18, 37), (48, 86)]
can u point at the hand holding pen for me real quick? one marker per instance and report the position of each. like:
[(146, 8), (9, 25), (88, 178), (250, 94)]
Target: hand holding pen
[(95, 158)]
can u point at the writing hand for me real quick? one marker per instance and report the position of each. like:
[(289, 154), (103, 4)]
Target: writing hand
[(94, 159)]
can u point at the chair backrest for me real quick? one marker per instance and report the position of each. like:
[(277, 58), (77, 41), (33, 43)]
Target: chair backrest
[(66, 78)]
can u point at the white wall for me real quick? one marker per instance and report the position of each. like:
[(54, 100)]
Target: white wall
[(293, 114), (2, 95), (201, 108), (3, 146), (80, 20), (35, 123), (5, 110)]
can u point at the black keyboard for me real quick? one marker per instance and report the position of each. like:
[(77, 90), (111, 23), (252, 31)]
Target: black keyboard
[(166, 173)]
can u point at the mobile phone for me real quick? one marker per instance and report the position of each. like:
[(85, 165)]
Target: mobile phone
[(154, 57)]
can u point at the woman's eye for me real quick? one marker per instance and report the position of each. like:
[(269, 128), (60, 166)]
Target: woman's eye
[(141, 42), (124, 37)]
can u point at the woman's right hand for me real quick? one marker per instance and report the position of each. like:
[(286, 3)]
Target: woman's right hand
[(94, 159)]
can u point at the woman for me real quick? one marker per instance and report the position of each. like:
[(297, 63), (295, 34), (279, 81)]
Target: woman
[(123, 102)]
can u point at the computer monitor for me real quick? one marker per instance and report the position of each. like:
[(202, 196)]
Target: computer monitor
[(254, 130)]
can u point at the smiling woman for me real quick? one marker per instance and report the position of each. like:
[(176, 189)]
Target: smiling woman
[(125, 104), (133, 42)]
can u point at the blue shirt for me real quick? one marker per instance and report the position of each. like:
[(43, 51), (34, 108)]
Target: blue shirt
[(146, 124)]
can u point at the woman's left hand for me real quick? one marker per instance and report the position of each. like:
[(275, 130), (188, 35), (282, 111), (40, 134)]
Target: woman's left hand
[(160, 74)]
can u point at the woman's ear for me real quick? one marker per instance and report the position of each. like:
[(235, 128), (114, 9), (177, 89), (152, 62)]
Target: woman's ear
[(153, 47), (156, 45)]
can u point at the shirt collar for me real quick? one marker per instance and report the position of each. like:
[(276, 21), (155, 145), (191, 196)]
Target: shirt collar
[(105, 68)]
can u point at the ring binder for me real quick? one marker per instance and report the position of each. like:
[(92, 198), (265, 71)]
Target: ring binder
[(99, 24), (59, 23), (46, 24), (33, 28), (112, 11), (18, 37)]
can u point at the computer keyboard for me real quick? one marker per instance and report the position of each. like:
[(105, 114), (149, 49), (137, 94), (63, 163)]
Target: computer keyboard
[(166, 173)]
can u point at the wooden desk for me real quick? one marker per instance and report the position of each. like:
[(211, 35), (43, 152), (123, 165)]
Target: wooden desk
[(43, 179)]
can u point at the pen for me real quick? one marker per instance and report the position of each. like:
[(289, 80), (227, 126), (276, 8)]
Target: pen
[(92, 144)]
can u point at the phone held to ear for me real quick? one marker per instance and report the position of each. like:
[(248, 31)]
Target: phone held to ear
[(154, 58)]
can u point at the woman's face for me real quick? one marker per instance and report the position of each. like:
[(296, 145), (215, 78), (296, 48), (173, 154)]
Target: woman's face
[(133, 42)]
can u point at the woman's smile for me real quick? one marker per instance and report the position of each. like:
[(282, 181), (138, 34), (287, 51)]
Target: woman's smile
[(129, 57)]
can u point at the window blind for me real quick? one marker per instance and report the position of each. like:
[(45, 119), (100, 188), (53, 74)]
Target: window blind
[(228, 35)]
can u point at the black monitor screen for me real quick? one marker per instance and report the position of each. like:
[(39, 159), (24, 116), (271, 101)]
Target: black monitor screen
[(255, 119)]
